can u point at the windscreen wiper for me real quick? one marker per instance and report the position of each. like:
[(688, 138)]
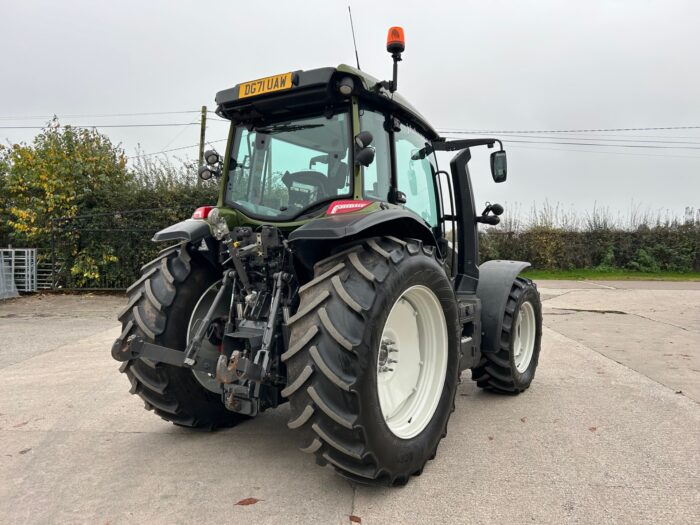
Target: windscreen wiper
[(283, 128)]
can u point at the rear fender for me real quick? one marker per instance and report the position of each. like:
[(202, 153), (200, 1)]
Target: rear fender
[(318, 239), (495, 281), (195, 232), (190, 230)]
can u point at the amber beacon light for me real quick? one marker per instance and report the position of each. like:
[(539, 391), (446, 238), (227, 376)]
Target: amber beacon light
[(395, 42)]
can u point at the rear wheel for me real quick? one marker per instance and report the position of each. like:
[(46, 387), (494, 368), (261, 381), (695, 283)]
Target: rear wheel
[(174, 291), (511, 369), (373, 360)]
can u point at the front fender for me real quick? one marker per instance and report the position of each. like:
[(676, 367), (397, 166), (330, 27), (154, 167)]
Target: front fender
[(190, 230), (495, 281)]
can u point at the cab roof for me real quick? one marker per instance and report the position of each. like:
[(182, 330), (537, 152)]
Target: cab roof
[(313, 90)]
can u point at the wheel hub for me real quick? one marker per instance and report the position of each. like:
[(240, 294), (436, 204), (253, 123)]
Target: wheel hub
[(524, 337), (412, 361), (210, 346), (385, 359)]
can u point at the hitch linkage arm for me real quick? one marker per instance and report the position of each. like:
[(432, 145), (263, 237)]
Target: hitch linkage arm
[(256, 370), (194, 345), (136, 347)]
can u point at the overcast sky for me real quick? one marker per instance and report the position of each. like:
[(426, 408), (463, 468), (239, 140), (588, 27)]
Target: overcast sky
[(470, 65)]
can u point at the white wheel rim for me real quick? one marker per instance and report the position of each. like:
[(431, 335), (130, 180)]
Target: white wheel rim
[(412, 362), (207, 349), (524, 337)]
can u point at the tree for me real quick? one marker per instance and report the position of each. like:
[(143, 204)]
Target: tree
[(64, 172), (4, 202)]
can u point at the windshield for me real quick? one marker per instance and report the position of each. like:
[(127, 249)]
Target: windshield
[(282, 170)]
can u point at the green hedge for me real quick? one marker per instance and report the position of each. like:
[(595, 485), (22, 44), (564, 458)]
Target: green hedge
[(671, 247)]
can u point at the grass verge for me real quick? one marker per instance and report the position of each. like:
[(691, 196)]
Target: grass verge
[(613, 275)]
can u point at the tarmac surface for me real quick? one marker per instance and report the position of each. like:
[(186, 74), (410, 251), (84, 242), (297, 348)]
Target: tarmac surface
[(609, 432)]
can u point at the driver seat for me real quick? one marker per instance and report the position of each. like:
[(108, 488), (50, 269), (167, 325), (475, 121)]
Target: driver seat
[(306, 187)]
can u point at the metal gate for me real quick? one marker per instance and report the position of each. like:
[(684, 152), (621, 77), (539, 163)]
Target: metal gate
[(21, 263)]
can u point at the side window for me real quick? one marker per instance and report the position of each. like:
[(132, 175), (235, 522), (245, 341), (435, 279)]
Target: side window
[(376, 176), (415, 175)]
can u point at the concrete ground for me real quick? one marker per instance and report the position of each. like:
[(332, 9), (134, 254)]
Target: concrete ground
[(608, 432)]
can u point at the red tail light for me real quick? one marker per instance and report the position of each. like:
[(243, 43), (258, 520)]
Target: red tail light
[(338, 207), (202, 212)]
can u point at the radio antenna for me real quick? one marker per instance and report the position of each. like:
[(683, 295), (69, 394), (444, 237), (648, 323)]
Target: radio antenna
[(354, 43)]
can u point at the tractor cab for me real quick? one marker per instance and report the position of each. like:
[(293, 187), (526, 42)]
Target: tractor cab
[(301, 141)]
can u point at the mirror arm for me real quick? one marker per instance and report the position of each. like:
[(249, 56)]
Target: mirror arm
[(491, 220), (454, 145)]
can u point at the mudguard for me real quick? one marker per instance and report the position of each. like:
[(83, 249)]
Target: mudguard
[(384, 222), (495, 281), (190, 230)]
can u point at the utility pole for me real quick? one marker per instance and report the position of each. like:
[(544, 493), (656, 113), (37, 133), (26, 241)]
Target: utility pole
[(202, 133)]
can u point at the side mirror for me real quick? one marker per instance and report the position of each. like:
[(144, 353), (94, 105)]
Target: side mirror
[(499, 166), (364, 153), (363, 139), (364, 157)]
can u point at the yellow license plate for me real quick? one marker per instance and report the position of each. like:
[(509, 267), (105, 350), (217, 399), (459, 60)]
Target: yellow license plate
[(265, 85)]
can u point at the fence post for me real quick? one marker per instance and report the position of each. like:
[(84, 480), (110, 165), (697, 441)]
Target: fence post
[(202, 132), (35, 272)]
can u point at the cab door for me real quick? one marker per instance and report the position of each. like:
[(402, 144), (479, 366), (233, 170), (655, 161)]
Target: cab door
[(415, 176)]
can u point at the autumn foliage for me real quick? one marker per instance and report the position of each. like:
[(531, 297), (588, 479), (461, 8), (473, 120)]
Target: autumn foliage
[(66, 174)]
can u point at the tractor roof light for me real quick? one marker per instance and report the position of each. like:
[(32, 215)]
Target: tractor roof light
[(395, 44), (395, 41), (212, 157), (206, 172), (345, 86)]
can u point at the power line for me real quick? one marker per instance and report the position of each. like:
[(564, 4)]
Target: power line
[(641, 146), (627, 153), (172, 149), (169, 125), (597, 144), (536, 146), (597, 139), (600, 130), (97, 115)]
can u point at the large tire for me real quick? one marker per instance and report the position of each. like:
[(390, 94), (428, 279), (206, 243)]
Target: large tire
[(498, 371), (159, 309), (332, 359)]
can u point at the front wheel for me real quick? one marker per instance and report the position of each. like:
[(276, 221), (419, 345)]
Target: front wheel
[(373, 360), (511, 369)]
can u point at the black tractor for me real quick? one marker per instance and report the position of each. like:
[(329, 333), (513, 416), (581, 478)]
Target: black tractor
[(338, 271)]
